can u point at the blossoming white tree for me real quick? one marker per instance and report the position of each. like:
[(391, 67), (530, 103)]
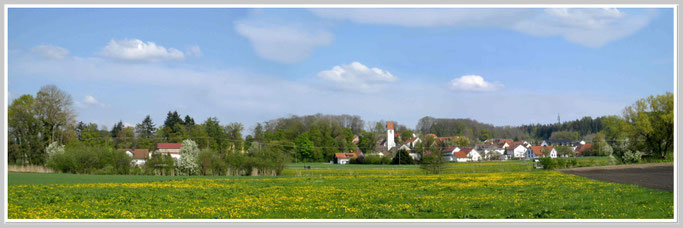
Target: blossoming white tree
[(187, 164)]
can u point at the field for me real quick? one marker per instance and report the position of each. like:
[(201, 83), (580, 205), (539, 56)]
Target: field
[(474, 190)]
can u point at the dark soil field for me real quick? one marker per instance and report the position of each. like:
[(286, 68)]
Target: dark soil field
[(654, 175)]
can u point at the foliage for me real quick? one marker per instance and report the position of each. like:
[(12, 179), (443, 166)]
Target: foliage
[(650, 124), (187, 164), (83, 159), (25, 146), (632, 156), (563, 151), (53, 149), (565, 135), (432, 163), (402, 157)]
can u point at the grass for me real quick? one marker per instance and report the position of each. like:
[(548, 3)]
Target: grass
[(500, 189), (537, 194)]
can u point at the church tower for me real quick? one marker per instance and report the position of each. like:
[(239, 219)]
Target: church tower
[(390, 135)]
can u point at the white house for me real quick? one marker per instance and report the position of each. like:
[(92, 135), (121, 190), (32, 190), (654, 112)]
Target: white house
[(448, 154), (415, 156), (474, 155), (344, 158), (172, 149), (139, 156), (516, 150), (537, 152)]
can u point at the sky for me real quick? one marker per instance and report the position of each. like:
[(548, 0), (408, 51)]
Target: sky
[(494, 65)]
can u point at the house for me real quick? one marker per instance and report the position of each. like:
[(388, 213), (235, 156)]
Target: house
[(138, 156), (344, 158), (537, 152), (412, 141), (543, 143), (486, 150), (415, 156), (448, 154), (172, 149), (515, 150), (472, 154), (582, 149)]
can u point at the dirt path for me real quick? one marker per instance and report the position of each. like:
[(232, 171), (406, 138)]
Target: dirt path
[(655, 175)]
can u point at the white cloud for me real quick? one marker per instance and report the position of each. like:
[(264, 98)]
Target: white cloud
[(282, 42), (138, 50), (50, 51), (90, 101), (356, 76), (473, 83), (592, 27), (589, 27)]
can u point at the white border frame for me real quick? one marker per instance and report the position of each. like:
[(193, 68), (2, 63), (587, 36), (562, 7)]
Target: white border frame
[(238, 6)]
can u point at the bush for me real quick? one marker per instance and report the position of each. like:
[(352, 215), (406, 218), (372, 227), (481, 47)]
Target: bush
[(432, 163), (402, 157), (632, 157), (79, 158)]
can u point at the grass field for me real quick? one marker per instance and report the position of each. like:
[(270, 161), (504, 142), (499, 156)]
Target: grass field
[(468, 190)]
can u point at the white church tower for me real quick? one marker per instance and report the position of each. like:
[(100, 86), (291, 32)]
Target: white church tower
[(390, 135)]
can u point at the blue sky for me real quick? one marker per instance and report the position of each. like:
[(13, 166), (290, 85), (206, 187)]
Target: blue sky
[(499, 66)]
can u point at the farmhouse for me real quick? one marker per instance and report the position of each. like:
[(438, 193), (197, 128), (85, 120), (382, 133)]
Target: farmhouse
[(344, 158), (582, 149), (139, 156), (172, 149), (538, 152)]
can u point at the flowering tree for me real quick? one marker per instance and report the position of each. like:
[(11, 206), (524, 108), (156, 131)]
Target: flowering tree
[(187, 164), (53, 149)]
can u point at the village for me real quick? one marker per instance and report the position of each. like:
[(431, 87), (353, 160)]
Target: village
[(392, 143)]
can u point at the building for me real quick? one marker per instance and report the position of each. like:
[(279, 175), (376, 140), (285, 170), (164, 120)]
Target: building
[(516, 150), (538, 152), (390, 135), (583, 149), (172, 149), (344, 158), (448, 154), (138, 156)]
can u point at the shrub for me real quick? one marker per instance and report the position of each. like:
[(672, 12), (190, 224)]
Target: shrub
[(632, 157), (432, 163)]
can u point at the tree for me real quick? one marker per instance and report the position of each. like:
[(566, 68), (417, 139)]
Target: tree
[(53, 109), (146, 128), (216, 135), (233, 132), (565, 135), (187, 164), (189, 121), (125, 138), (462, 141), (600, 147), (650, 124), (432, 163), (402, 157), (304, 147), (484, 134), (24, 143), (117, 128), (366, 142), (563, 151)]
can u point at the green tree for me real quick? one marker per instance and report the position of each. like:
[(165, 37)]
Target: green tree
[(484, 134), (565, 135), (304, 147), (146, 128), (432, 163), (366, 142), (24, 143), (650, 124), (402, 157), (564, 151)]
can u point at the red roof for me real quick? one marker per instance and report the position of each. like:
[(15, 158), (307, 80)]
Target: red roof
[(390, 125), (466, 150), (410, 140), (513, 145), (538, 150), (169, 145), (344, 155), (585, 147), (460, 154), (449, 149)]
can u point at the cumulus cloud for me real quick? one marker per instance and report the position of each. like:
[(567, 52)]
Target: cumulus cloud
[(357, 76), (138, 51), (282, 42), (588, 27), (473, 83), (592, 27), (50, 51)]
